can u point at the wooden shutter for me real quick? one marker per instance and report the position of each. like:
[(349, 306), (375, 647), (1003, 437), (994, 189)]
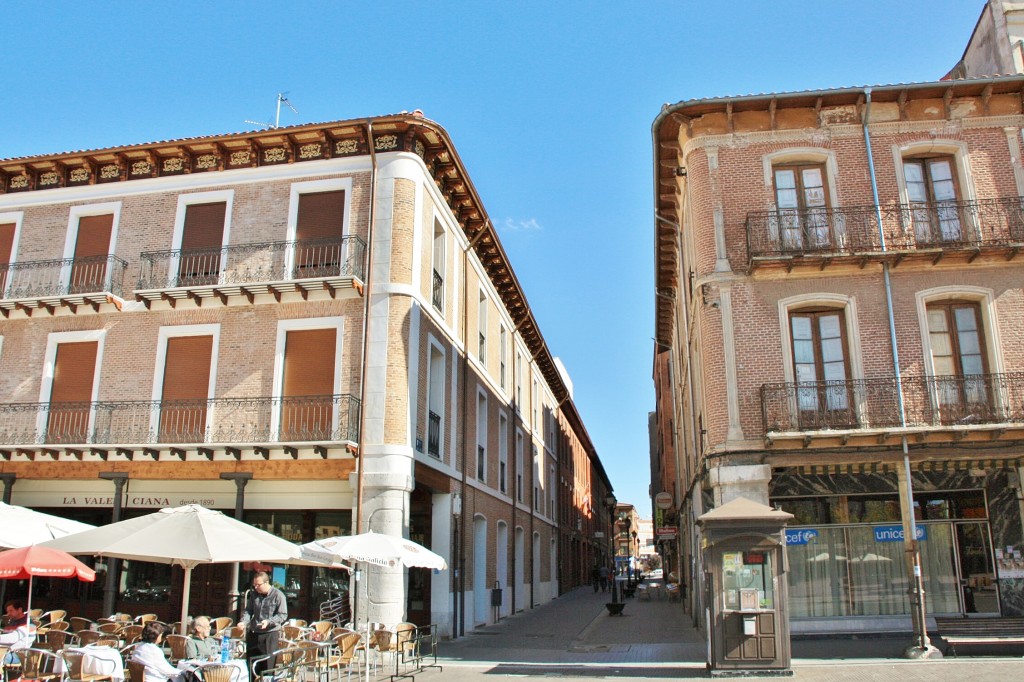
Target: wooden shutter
[(71, 392), (318, 231), (201, 240), (6, 252), (308, 385), (92, 247), (185, 389)]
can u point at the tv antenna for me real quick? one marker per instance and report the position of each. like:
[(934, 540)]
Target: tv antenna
[(281, 99)]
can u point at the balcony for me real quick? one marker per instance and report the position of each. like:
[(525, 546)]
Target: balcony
[(74, 285), (321, 426), (949, 408), (264, 272), (818, 237)]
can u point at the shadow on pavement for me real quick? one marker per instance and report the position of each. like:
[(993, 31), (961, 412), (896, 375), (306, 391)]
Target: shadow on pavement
[(592, 671)]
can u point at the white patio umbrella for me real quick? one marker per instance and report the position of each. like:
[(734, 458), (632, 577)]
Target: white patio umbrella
[(21, 527), (181, 536), (373, 548)]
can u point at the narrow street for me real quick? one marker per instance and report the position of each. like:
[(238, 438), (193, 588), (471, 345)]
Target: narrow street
[(574, 637)]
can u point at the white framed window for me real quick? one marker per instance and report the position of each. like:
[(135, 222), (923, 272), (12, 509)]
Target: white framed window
[(89, 242), (502, 450), (281, 393), (502, 357), (481, 327), (551, 491), (519, 465), (10, 235), (54, 341), (301, 253), (202, 230), (535, 405), (435, 417), (438, 267), (519, 382), (160, 373), (536, 477), (481, 436)]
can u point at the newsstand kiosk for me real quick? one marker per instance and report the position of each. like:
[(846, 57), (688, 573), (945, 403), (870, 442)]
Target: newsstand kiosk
[(745, 582)]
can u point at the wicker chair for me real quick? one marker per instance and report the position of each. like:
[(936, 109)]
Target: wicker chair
[(222, 623), (130, 633), (220, 673), (79, 623), (88, 636), (136, 671), (293, 632), (144, 618), (177, 644), (344, 653), (109, 628), (60, 639), (73, 668), (53, 616), (39, 664)]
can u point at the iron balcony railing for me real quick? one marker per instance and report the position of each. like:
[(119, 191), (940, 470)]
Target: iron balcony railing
[(434, 434), (63, 277), (874, 403), (218, 420), (437, 291), (907, 227), (251, 263)]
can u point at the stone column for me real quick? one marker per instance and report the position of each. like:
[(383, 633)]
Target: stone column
[(740, 480)]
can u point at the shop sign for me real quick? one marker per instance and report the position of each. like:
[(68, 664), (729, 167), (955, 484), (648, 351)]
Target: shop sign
[(667, 533), (801, 536), (895, 533)]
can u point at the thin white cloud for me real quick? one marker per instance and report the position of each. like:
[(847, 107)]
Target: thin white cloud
[(528, 225)]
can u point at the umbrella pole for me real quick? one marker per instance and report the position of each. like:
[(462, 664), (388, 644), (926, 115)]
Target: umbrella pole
[(185, 589)]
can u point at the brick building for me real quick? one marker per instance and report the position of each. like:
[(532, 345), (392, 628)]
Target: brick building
[(293, 321), (839, 306)]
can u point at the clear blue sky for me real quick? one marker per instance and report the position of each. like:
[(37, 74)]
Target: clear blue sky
[(550, 105)]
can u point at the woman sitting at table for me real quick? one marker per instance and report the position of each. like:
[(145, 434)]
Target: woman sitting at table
[(149, 653), (200, 645)]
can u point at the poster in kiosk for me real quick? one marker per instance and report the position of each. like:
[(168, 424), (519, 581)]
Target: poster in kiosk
[(743, 550)]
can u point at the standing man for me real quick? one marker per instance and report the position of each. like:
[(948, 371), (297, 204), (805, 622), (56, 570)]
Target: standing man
[(265, 612)]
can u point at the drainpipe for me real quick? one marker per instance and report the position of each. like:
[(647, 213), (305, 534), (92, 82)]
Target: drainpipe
[(119, 478), (240, 478), (921, 648), (364, 358)]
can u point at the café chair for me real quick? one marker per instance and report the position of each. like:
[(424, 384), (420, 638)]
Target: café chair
[(136, 671), (177, 643), (87, 637), (221, 623), (53, 616), (39, 664), (73, 668), (219, 673), (79, 623)]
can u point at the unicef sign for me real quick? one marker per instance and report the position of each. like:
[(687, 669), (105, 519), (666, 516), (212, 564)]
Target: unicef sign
[(895, 533), (801, 536)]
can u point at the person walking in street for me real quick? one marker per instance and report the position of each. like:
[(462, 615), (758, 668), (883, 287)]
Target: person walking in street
[(605, 574), (595, 578), (266, 610)]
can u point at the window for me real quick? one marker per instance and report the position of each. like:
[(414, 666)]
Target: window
[(536, 479), (934, 199), (91, 254), (307, 377), (71, 392), (481, 326), (821, 368), (534, 405), (502, 453), (519, 383), (551, 491), (958, 361), (435, 401), (502, 355), (437, 283), (519, 465), (185, 388), (801, 197), (201, 242), (8, 232), (481, 437), (319, 234)]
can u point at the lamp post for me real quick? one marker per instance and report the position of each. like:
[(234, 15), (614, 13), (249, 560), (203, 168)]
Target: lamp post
[(615, 606)]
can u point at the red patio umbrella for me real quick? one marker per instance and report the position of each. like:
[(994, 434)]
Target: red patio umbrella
[(27, 562)]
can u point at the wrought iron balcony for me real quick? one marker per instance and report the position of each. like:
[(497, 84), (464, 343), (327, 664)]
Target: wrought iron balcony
[(276, 268), (437, 291), (434, 434), (180, 424), (827, 233), (66, 282), (929, 401)]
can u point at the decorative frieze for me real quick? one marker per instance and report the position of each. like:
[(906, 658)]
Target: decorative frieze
[(274, 155), (206, 161), (342, 147), (140, 168), (385, 142), (420, 149), (313, 150), (110, 172), (172, 165), (78, 176), (19, 182), (49, 179), (240, 158)]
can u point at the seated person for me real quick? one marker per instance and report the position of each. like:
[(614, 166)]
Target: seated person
[(17, 633), (149, 653), (200, 645)]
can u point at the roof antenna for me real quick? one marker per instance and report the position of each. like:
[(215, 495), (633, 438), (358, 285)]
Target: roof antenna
[(281, 99)]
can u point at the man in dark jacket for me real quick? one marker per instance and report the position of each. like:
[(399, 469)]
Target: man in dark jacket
[(265, 612)]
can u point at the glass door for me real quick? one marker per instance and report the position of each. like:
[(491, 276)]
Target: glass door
[(977, 570)]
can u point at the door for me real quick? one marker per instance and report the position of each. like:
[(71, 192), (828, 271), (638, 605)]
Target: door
[(92, 253), (977, 569), (802, 201), (932, 190), (319, 229), (418, 596), (186, 386), (824, 395), (307, 401), (959, 366), (71, 392), (201, 241)]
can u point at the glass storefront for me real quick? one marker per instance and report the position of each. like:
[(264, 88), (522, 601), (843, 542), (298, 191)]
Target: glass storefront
[(846, 555)]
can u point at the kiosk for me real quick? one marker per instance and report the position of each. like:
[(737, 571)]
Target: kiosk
[(745, 581)]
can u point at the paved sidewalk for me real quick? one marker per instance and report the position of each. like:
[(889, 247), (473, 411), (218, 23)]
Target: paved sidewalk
[(574, 637)]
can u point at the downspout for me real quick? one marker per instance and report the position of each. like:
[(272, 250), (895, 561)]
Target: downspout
[(460, 611), (363, 361), (921, 646), (513, 423)]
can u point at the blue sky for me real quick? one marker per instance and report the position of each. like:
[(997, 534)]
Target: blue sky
[(550, 105)]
